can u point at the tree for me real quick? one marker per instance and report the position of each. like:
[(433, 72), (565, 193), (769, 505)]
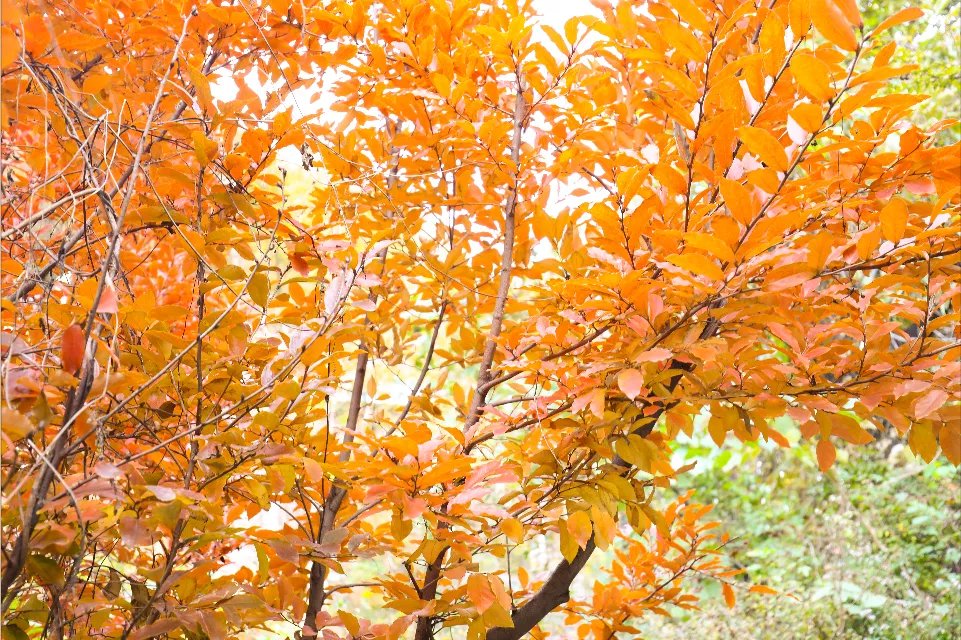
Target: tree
[(423, 282)]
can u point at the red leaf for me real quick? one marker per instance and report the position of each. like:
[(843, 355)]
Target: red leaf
[(71, 351), (299, 264)]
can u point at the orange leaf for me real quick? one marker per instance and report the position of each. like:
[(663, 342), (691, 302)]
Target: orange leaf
[(711, 243), (799, 16), (849, 8), (929, 403), (765, 146), (729, 598), (108, 300), (922, 441), (894, 220), (808, 116), (350, 622), (738, 200), (597, 403), (902, 16), (315, 472), (691, 14), (71, 350), (698, 264), (830, 21), (813, 75), (15, 424), (657, 354), (580, 528), (9, 47), (480, 593), (826, 454), (950, 440), (760, 588), (848, 429), (513, 529)]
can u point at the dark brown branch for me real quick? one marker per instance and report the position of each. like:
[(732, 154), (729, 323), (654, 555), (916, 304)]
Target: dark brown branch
[(556, 591)]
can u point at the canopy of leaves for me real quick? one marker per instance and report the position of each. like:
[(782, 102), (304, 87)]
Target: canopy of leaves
[(289, 286)]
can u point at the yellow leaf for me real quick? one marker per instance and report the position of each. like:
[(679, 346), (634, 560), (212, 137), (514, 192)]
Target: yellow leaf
[(204, 148), (258, 289), (894, 220), (15, 424), (717, 430), (657, 518), (634, 455), (350, 622), (513, 529), (922, 441), (605, 528), (568, 544), (497, 616), (765, 146)]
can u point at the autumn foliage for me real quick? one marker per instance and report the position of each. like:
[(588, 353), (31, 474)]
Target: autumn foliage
[(291, 288)]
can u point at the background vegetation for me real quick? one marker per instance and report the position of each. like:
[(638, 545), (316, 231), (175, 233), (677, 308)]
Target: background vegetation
[(873, 552)]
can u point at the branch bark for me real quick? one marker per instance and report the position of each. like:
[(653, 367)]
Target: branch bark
[(556, 590), (424, 630)]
